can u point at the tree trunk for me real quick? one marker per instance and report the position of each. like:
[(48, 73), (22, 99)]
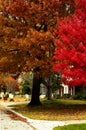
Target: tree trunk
[(35, 100), (47, 83), (49, 92)]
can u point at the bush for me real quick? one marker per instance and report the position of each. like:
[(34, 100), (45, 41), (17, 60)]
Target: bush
[(66, 96), (79, 96), (57, 96), (84, 96)]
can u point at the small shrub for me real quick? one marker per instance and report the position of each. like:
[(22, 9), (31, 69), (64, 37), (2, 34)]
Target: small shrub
[(57, 96), (79, 96), (84, 96), (66, 96)]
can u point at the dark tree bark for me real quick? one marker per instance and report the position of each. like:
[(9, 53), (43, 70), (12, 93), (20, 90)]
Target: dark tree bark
[(35, 100), (47, 83), (49, 92)]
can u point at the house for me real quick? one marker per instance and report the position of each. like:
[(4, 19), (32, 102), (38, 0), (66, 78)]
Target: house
[(66, 90), (71, 91)]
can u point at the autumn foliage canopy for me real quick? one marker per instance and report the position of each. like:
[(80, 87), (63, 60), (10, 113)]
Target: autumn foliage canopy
[(26, 34), (70, 55)]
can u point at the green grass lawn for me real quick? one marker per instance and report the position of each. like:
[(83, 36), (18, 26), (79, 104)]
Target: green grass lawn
[(55, 110), (72, 127)]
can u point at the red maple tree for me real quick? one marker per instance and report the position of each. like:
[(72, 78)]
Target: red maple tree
[(70, 55)]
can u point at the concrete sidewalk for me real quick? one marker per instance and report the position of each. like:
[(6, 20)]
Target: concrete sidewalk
[(7, 123), (42, 124)]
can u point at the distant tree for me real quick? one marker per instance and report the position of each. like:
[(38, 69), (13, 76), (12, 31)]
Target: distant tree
[(10, 84), (56, 81), (70, 55), (26, 88)]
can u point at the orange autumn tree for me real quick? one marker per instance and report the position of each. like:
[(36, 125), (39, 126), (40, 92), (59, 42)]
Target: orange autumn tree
[(26, 38), (10, 84)]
